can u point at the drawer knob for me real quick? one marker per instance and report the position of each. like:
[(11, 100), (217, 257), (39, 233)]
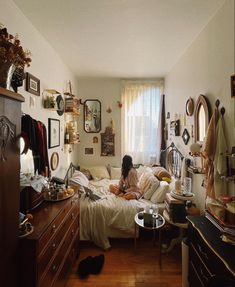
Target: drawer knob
[(54, 268), (53, 227), (72, 215), (54, 246)]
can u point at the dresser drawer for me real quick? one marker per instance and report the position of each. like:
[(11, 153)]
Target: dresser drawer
[(202, 271), (55, 243), (209, 258), (54, 226), (56, 265)]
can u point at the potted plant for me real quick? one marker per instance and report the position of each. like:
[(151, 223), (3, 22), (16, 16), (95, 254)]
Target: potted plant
[(12, 56)]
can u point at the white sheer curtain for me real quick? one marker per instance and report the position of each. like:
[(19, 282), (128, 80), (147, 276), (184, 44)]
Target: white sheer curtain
[(141, 120)]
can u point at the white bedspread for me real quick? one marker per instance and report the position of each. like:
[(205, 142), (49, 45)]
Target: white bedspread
[(108, 216)]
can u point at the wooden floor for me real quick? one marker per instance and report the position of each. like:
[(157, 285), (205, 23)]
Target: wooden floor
[(126, 266)]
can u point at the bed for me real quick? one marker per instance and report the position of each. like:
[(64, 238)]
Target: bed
[(112, 216)]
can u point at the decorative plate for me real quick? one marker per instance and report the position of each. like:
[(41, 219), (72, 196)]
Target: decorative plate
[(54, 160), (185, 136), (60, 105)]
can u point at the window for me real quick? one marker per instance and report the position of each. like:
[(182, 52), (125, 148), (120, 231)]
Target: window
[(141, 120)]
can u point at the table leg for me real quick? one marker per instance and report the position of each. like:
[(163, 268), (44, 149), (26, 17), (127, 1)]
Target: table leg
[(175, 241), (135, 234), (160, 248)]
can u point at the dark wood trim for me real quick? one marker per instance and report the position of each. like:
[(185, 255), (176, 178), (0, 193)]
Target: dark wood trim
[(12, 95)]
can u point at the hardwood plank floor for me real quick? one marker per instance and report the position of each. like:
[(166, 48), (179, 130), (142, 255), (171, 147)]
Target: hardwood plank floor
[(126, 266)]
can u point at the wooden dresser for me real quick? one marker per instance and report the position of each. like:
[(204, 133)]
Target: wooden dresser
[(209, 256), (47, 254), (10, 129)]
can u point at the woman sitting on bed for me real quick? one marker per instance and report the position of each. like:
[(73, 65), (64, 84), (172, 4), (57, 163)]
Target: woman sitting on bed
[(128, 184)]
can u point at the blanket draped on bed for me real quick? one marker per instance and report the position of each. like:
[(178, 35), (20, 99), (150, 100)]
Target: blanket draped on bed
[(106, 217)]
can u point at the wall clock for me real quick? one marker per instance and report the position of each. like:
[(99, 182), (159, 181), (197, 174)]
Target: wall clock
[(60, 105), (54, 160)]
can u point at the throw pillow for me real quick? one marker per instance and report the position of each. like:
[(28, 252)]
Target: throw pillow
[(160, 193), (148, 194), (115, 172), (161, 172), (99, 172)]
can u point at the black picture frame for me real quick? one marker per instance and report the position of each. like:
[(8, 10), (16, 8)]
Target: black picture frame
[(53, 133), (233, 86), (185, 136), (175, 128), (32, 84)]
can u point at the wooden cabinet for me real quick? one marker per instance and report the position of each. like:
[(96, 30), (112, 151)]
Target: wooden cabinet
[(10, 128), (47, 254), (209, 256)]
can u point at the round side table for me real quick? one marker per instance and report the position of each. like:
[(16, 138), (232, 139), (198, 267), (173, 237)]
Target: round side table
[(182, 227), (158, 223)]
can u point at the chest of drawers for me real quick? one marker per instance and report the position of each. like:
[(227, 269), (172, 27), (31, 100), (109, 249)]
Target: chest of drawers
[(209, 256), (47, 254)]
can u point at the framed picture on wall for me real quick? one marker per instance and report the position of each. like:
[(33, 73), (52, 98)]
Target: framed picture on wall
[(32, 84), (233, 86), (53, 132)]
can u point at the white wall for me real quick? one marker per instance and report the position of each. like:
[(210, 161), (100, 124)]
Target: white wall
[(205, 68), (46, 65), (108, 91)]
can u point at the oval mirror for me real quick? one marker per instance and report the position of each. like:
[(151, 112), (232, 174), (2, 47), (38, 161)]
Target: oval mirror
[(189, 107), (92, 116), (201, 118)]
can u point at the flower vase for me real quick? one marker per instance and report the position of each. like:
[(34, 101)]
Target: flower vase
[(6, 73)]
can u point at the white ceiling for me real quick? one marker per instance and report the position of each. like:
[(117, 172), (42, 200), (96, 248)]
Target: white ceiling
[(120, 38)]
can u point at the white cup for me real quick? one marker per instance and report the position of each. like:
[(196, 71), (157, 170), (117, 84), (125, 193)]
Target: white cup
[(155, 210), (187, 185)]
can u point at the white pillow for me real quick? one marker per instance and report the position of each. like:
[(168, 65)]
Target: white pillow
[(78, 178), (99, 172), (160, 193), (115, 172), (154, 185), (143, 169), (146, 181)]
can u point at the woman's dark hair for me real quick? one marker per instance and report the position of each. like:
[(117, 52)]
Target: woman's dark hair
[(126, 165)]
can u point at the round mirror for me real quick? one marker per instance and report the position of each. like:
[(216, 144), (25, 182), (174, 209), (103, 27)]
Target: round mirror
[(201, 118)]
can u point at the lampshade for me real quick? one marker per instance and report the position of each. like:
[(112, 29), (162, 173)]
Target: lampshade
[(195, 148)]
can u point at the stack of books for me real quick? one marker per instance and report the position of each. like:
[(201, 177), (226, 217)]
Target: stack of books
[(176, 209)]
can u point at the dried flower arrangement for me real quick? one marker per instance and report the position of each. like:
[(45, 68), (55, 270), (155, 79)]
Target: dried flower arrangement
[(11, 51)]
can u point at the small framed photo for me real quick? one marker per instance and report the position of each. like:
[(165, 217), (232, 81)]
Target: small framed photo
[(53, 132), (233, 86), (89, 151), (32, 84)]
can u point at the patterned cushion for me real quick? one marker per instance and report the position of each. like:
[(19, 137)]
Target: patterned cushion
[(161, 172)]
